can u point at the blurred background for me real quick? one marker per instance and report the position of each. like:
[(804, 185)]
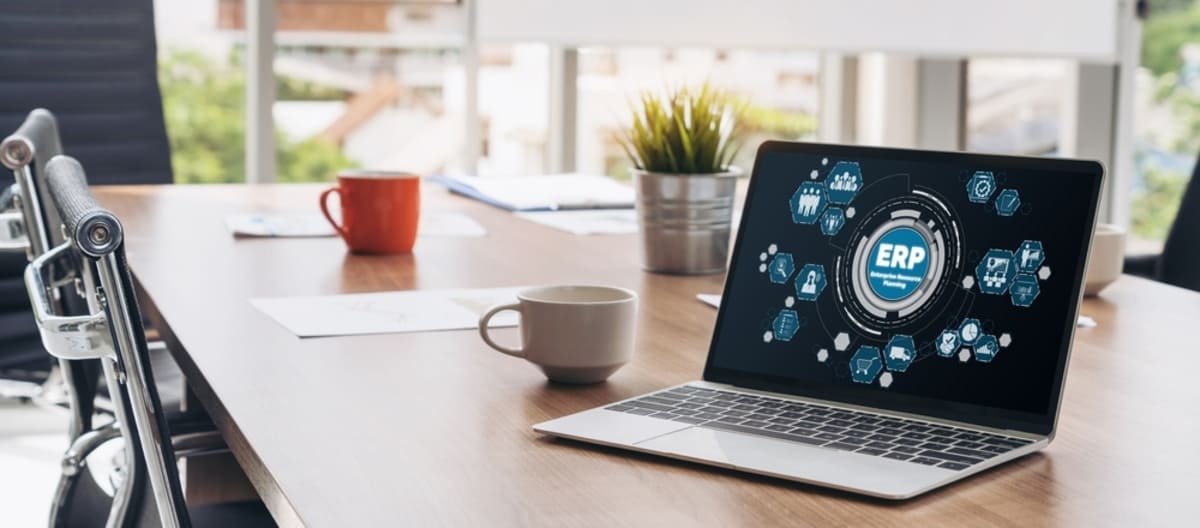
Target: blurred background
[(375, 83)]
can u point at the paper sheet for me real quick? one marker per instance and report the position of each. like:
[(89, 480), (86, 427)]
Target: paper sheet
[(388, 312), (587, 222), (543, 193), (299, 225)]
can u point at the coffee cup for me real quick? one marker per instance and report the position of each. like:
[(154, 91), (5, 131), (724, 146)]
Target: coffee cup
[(575, 334), (380, 210), (1107, 260)]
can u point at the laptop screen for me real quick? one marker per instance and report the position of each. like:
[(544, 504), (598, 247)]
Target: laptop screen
[(936, 283)]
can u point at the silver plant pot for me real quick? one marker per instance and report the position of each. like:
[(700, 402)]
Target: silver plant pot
[(685, 220)]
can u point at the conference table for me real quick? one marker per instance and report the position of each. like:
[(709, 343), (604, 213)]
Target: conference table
[(434, 428)]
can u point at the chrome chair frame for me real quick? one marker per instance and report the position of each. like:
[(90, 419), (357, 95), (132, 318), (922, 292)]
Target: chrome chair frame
[(107, 333)]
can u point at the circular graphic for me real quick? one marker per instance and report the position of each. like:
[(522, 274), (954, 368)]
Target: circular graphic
[(900, 258), (897, 264)]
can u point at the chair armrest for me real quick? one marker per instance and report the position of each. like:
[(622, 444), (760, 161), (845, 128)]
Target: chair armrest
[(1143, 265)]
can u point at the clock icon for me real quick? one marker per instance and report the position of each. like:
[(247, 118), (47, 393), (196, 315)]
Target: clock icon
[(969, 331)]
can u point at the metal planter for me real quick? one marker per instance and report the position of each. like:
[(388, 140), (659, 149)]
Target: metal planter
[(685, 220)]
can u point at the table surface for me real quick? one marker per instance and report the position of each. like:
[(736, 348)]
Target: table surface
[(435, 428)]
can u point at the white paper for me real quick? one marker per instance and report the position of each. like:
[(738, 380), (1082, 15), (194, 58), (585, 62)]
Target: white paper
[(587, 222), (551, 191), (711, 299), (298, 225), (388, 312)]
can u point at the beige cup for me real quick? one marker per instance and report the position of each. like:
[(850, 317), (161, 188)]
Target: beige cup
[(1107, 260), (575, 334)]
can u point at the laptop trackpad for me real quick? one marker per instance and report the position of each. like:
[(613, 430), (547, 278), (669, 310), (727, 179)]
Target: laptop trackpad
[(792, 460)]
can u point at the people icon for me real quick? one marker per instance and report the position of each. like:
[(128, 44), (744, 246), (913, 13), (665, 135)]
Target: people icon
[(844, 182), (810, 201), (810, 284)]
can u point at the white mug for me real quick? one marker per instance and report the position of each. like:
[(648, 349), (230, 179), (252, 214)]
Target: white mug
[(575, 334), (1107, 260)]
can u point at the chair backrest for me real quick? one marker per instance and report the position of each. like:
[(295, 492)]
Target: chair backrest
[(1180, 263), (96, 238), (95, 64)]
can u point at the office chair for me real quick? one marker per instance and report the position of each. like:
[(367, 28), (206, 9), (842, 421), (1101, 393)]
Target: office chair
[(111, 331), (95, 64), (1179, 262)]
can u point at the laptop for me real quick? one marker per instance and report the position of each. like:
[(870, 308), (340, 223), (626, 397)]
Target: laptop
[(892, 321)]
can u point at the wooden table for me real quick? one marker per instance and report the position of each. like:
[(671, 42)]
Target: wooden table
[(434, 428)]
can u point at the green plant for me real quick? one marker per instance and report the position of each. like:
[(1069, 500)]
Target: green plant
[(684, 131), (204, 108)]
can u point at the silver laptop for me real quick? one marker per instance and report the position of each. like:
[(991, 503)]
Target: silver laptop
[(893, 321)]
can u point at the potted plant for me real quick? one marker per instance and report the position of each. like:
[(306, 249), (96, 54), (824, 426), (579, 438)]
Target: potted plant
[(682, 144)]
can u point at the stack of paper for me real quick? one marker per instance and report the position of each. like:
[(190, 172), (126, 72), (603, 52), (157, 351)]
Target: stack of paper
[(543, 193)]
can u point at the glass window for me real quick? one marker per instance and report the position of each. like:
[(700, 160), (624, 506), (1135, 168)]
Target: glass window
[(1014, 106), (1167, 115)]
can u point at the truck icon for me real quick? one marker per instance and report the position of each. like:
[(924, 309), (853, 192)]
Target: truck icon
[(899, 353)]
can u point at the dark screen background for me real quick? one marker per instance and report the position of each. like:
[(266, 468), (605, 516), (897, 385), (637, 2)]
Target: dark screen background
[(1020, 378)]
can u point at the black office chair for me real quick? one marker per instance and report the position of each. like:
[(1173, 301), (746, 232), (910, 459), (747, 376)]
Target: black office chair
[(112, 333), (1179, 262), (95, 64)]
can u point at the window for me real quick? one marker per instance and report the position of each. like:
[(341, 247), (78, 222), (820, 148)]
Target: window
[(1167, 115), (1014, 106)]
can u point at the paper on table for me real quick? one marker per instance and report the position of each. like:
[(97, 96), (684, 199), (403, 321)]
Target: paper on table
[(387, 312), (714, 300), (587, 222), (543, 193), (299, 225)]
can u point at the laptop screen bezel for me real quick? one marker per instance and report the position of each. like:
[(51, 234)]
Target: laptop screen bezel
[(1091, 176)]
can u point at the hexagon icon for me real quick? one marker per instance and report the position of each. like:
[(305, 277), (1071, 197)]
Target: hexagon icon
[(899, 353), (964, 355), (1044, 273), (1007, 202), (885, 380), (833, 220), (841, 342), (947, 342), (980, 187), (865, 364), (1005, 340), (1030, 256), (781, 268), (969, 331), (996, 271), (786, 324), (822, 355), (986, 348), (1024, 290), (810, 282), (844, 181), (808, 202)]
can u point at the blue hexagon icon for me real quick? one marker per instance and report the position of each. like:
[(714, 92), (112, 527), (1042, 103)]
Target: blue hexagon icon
[(808, 202), (865, 364), (980, 187), (947, 342), (995, 271), (781, 268), (833, 220), (1007, 202), (1024, 290), (810, 282), (986, 348), (1030, 256), (899, 353), (785, 325), (970, 330), (844, 181)]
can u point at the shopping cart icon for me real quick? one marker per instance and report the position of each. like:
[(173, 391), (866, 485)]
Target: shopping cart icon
[(864, 366)]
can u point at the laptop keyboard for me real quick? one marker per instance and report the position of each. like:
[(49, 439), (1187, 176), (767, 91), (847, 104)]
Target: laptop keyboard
[(913, 441)]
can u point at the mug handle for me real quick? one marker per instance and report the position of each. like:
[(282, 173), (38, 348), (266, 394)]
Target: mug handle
[(325, 209), (483, 329)]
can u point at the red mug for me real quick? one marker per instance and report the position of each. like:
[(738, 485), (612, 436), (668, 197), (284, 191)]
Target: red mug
[(380, 210)]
